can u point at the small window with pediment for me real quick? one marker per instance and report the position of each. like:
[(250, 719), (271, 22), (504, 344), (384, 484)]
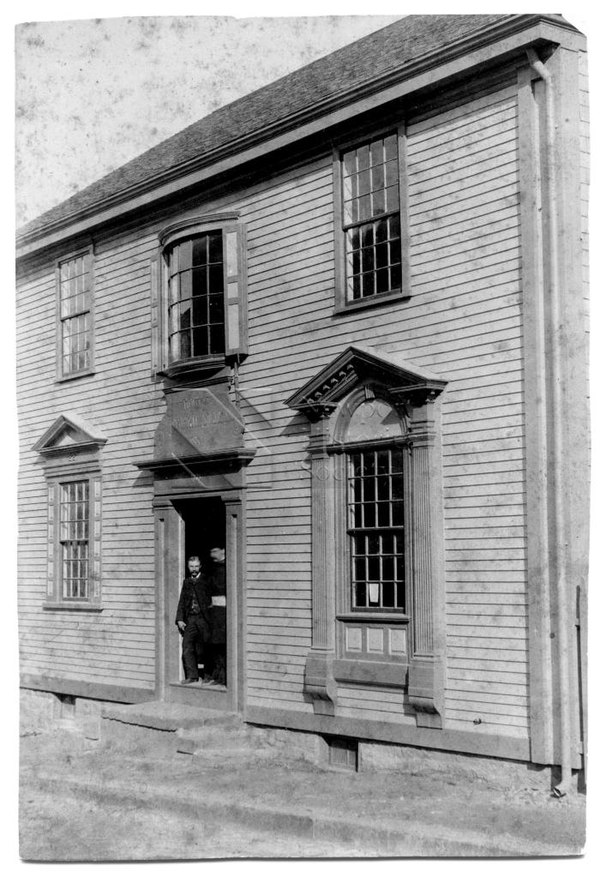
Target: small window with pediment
[(70, 454)]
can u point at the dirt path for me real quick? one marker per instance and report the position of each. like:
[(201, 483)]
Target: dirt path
[(84, 802)]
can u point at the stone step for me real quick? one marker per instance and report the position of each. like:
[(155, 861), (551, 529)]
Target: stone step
[(155, 724), (162, 716), (227, 754), (209, 738)]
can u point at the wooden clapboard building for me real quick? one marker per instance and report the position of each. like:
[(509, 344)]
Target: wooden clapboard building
[(339, 327)]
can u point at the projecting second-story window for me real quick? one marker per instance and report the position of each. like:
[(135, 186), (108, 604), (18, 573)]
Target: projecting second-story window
[(75, 315), (196, 312), (371, 234), (198, 296)]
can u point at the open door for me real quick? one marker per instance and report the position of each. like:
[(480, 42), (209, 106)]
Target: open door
[(193, 527)]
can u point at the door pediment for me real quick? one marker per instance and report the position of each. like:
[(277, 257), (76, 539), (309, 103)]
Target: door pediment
[(202, 430)]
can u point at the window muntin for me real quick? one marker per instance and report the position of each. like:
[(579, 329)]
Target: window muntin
[(371, 218), (376, 529), (196, 307), (74, 510), (75, 294)]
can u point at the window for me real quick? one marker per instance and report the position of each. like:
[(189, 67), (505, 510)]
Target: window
[(376, 529), (74, 540), (70, 453), (74, 279), (378, 597), (198, 297), (74, 517), (372, 245), (195, 299)]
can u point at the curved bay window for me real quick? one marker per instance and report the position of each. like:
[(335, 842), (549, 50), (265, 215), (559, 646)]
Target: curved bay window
[(196, 308), (376, 529), (198, 300)]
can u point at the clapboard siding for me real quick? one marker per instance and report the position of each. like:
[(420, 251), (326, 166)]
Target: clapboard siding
[(118, 644), (463, 320)]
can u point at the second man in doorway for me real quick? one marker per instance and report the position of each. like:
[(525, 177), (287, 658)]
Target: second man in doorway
[(217, 649)]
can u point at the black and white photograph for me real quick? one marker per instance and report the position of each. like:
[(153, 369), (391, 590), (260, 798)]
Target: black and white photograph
[(303, 412)]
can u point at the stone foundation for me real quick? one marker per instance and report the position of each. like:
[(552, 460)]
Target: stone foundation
[(454, 765), (46, 711)]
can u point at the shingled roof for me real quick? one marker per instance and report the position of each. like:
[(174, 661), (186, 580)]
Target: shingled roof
[(332, 77)]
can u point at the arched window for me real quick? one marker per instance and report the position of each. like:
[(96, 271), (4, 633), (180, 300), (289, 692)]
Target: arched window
[(198, 296), (374, 437), (377, 559)]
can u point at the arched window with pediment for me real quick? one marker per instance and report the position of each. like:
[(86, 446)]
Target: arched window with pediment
[(375, 450)]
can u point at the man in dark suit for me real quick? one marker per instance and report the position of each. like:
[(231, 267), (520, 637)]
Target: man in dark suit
[(193, 620), (217, 650)]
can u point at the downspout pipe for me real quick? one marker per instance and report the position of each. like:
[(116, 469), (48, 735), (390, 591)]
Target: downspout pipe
[(564, 646)]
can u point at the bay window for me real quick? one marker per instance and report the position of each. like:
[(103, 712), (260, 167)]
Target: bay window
[(198, 296)]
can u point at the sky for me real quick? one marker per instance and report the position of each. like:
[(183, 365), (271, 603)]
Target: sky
[(92, 94)]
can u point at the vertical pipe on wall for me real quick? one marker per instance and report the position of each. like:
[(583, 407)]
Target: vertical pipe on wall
[(555, 395)]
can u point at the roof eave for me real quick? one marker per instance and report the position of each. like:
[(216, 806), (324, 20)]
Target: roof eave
[(509, 35)]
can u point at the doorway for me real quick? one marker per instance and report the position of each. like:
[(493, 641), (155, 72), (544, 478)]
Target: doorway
[(204, 528), (204, 537), (188, 526)]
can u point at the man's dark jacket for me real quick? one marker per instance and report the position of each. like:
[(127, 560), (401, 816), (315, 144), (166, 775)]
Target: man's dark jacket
[(194, 589)]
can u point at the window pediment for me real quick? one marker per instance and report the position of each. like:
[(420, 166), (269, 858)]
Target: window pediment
[(360, 364), (69, 434)]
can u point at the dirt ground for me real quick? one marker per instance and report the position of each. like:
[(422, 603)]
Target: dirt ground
[(87, 802)]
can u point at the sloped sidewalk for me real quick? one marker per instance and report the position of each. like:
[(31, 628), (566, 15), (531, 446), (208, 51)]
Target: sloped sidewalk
[(209, 787)]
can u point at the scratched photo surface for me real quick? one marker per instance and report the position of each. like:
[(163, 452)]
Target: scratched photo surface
[(302, 386)]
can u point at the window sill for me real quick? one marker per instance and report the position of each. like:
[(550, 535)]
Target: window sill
[(371, 301), (71, 607), (86, 373), (387, 673), (374, 616)]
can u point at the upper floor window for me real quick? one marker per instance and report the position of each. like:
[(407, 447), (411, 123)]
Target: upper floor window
[(198, 296), (371, 238), (195, 299), (74, 280)]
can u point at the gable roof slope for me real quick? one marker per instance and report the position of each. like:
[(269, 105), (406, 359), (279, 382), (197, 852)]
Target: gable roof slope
[(367, 60)]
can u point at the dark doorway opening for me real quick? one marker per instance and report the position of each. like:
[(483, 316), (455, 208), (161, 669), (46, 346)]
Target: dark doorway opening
[(204, 527), (204, 530)]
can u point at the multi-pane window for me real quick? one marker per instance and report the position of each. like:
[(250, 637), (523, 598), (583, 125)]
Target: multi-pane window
[(371, 218), (196, 307), (376, 529), (74, 537), (75, 300)]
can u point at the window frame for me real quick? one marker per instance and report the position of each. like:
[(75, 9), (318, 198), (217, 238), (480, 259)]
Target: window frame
[(61, 375), (342, 305), (234, 295), (347, 598), (55, 598), (354, 664)]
